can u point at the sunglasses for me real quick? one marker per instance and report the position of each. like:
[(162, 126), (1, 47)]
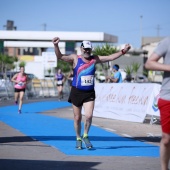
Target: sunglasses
[(87, 49)]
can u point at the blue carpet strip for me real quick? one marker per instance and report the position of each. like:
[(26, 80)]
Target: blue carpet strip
[(59, 132)]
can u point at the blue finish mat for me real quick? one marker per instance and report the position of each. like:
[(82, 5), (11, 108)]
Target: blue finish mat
[(59, 132)]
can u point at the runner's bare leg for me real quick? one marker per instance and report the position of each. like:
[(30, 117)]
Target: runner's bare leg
[(165, 150), (21, 95), (77, 120), (88, 110), (16, 96)]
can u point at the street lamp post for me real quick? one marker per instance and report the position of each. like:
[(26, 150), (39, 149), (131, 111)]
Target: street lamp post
[(141, 30)]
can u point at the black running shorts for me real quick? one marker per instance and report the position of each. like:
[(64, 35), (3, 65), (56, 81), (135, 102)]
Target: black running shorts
[(59, 84), (78, 97), (19, 90)]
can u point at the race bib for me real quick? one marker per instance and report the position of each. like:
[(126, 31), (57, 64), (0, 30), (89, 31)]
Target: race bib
[(87, 80), (59, 82), (20, 84)]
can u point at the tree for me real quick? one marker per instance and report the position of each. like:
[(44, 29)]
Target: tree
[(104, 50), (64, 66), (6, 63), (49, 71), (22, 64), (128, 70), (135, 68)]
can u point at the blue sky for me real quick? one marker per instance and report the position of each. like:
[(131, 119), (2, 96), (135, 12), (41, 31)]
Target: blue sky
[(117, 17)]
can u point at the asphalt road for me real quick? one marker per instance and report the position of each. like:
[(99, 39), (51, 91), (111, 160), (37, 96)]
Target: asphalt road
[(21, 152)]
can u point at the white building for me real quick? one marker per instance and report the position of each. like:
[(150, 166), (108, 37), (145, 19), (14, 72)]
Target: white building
[(149, 44), (30, 45)]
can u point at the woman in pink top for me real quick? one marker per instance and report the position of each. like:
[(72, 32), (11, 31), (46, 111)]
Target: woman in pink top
[(20, 80)]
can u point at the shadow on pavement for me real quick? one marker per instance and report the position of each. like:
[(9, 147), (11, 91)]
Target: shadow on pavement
[(72, 138), (148, 139), (14, 164)]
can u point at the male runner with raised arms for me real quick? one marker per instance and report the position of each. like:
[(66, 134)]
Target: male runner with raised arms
[(82, 92)]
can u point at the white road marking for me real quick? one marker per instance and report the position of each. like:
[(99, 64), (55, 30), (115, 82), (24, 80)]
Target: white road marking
[(126, 135), (95, 125), (113, 130)]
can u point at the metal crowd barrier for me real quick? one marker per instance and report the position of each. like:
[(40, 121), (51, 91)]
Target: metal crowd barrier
[(6, 89), (45, 88), (35, 88)]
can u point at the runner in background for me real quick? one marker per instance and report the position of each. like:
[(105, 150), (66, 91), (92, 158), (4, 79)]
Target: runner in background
[(20, 79), (60, 78)]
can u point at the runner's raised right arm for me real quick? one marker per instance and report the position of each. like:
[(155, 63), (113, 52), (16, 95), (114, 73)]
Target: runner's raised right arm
[(59, 55)]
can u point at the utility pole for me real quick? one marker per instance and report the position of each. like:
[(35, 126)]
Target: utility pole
[(158, 29), (141, 17), (44, 26)]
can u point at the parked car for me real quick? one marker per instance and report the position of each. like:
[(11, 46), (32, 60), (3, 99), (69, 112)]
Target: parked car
[(31, 76), (142, 79)]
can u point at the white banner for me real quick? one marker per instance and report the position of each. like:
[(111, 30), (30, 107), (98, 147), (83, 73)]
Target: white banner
[(124, 101), (153, 105)]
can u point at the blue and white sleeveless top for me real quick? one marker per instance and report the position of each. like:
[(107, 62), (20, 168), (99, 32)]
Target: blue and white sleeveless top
[(59, 78), (84, 74)]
